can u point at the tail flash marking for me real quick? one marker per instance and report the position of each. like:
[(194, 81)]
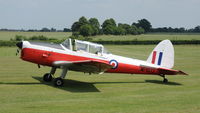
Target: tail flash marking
[(160, 58), (154, 57)]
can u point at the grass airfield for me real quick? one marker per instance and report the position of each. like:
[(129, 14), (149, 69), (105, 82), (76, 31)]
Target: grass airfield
[(23, 91), (7, 35), (63, 35)]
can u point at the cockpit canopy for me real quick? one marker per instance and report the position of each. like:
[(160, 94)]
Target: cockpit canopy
[(78, 45)]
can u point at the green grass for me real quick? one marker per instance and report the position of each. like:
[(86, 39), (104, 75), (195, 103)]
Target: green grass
[(58, 35), (23, 91), (64, 35)]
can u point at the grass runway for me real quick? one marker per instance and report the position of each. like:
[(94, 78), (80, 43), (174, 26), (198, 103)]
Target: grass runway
[(23, 91)]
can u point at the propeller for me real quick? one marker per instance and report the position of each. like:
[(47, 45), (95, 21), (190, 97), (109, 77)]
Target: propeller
[(17, 52), (19, 45)]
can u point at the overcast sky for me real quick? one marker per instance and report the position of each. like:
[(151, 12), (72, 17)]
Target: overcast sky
[(36, 14)]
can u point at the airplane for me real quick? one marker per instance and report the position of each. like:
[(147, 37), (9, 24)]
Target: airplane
[(88, 57)]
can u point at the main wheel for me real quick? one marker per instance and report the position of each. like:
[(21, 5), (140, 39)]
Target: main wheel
[(58, 82), (165, 80), (47, 77)]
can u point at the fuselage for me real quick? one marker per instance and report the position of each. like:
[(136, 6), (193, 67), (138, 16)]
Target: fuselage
[(47, 53)]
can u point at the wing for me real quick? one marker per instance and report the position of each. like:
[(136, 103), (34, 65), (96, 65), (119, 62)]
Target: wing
[(90, 66)]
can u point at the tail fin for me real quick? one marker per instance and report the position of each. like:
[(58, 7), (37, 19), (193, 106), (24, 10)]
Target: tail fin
[(163, 54)]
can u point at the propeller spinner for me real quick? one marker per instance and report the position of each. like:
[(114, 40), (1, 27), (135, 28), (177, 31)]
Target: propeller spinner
[(19, 45)]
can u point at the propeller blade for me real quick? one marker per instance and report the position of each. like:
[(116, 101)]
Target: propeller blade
[(17, 52), (19, 45)]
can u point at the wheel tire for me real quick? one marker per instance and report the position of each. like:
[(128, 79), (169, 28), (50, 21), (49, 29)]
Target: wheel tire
[(47, 77), (58, 82), (165, 80)]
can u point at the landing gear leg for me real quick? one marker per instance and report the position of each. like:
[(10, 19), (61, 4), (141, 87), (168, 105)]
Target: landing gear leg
[(48, 76), (165, 80), (53, 70), (59, 81)]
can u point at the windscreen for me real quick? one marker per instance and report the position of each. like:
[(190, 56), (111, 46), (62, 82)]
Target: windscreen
[(66, 43)]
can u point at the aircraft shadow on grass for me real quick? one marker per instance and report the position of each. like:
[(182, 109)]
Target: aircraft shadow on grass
[(161, 82), (81, 87), (78, 86), (71, 85)]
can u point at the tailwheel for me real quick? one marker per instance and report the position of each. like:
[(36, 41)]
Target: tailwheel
[(165, 80), (47, 77), (58, 82)]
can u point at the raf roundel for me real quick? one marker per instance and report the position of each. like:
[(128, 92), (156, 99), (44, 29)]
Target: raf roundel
[(114, 63)]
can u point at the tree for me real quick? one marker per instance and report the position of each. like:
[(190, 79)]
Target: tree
[(53, 29), (126, 27), (197, 29), (94, 22), (144, 23), (86, 30), (135, 24), (109, 30), (83, 24), (134, 30), (119, 31), (109, 26), (108, 22), (45, 29), (83, 21), (75, 27), (95, 25), (66, 30), (140, 30)]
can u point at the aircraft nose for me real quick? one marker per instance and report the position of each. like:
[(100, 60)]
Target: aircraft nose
[(19, 45)]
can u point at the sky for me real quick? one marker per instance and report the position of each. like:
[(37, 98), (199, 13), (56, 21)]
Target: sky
[(59, 14)]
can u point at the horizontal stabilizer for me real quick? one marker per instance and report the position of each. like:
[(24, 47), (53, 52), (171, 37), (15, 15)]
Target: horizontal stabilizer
[(171, 72)]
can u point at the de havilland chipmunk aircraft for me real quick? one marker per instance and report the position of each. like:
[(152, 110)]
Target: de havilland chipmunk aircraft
[(88, 57)]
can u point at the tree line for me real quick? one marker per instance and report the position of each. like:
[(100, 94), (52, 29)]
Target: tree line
[(176, 30), (92, 27), (45, 29)]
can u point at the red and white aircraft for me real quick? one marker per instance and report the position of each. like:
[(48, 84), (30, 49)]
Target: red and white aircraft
[(90, 58)]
